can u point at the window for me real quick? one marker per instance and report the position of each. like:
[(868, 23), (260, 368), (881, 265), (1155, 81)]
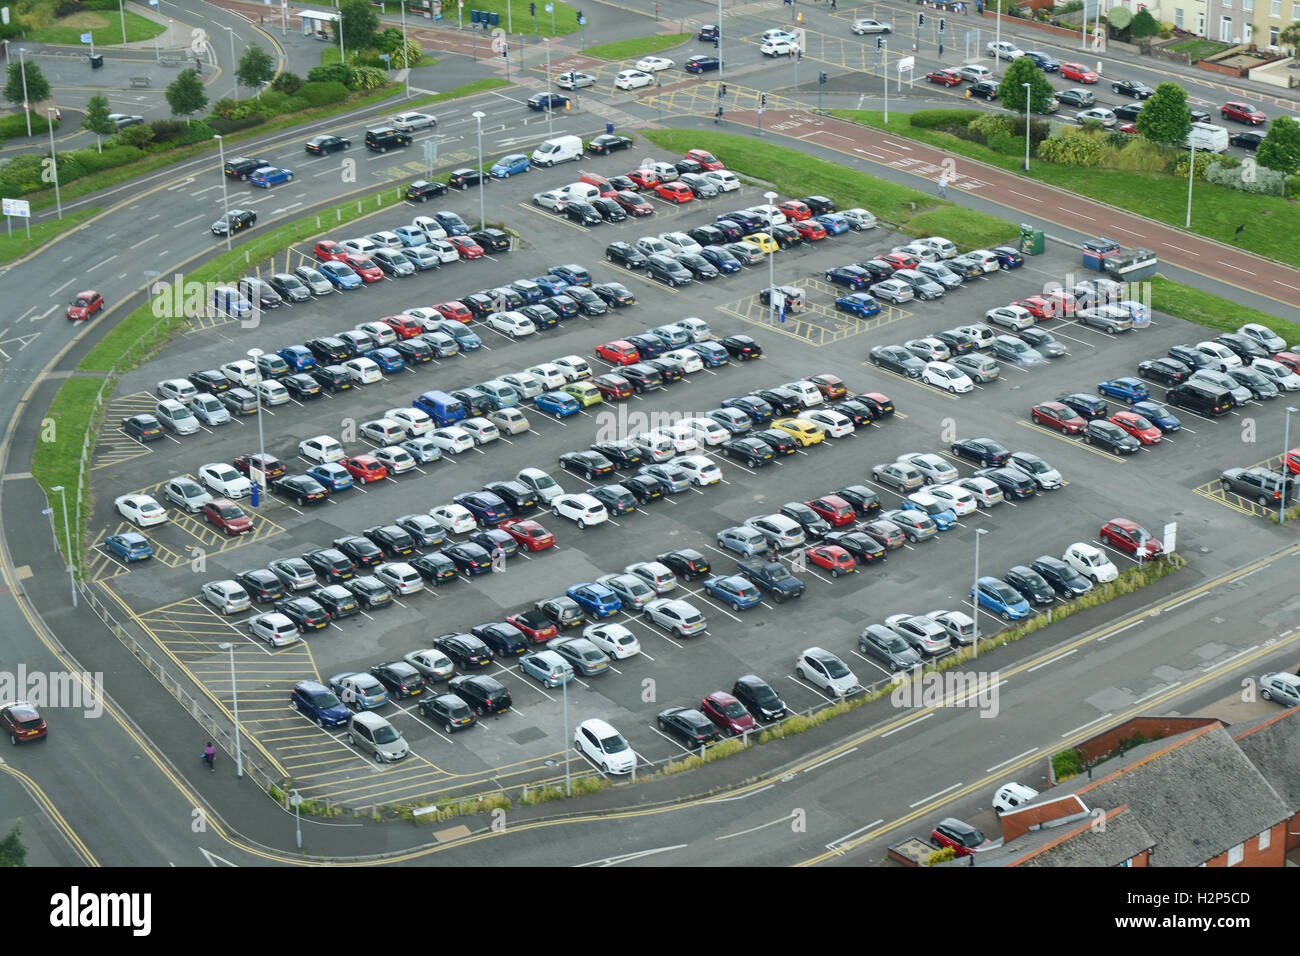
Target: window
[(1275, 9), (1249, 5), (1225, 29), (1236, 854), (1178, 17), (1265, 840), (1272, 36)]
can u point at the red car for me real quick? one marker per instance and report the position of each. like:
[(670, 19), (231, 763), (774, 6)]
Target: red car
[(632, 204), (705, 159), (22, 722), (1064, 303), (612, 387), (810, 230), (795, 211), (1131, 538), (534, 626), (832, 558), (1040, 308), (365, 468), (227, 516), (644, 178), (728, 714), (1292, 461), (406, 326), (945, 77), (674, 192), (831, 386), (1137, 426), (467, 247), (327, 250), (899, 260), (620, 352), (528, 533), (1077, 71), (364, 267), (1242, 113), (456, 311), (1130, 128), (84, 305), (271, 466), (600, 182), (1290, 359), (834, 509), (961, 836), (1059, 416)]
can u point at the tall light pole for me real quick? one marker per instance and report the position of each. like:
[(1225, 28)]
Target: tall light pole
[(22, 68), (771, 267), (549, 113), (482, 186), (568, 785), (234, 93), (1286, 440), (121, 11), (719, 47), (234, 695), (1027, 101), (67, 537), (406, 52), (974, 596), (225, 201), (884, 74), (54, 160), (1191, 176), (997, 45), (255, 354)]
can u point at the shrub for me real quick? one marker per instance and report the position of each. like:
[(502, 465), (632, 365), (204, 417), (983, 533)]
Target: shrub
[(322, 93), (1073, 147), (1140, 156), (273, 103), (334, 73), (942, 856), (197, 131), (970, 134), (1039, 129), (1203, 162), (136, 135), (225, 126), (991, 124), (1293, 186), (167, 129), (67, 8), (1268, 182), (287, 83), (367, 78), (1066, 764), (1007, 145), (932, 119), (225, 108), (22, 173), (16, 125)]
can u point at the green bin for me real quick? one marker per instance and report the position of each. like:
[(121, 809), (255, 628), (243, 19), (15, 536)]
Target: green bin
[(1036, 243)]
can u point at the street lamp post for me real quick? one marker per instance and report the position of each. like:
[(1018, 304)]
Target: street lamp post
[(225, 201), (22, 68), (1286, 440), (1027, 103), (997, 45), (974, 594), (67, 537), (482, 218), (54, 161), (121, 12), (719, 38), (234, 94), (549, 113), (406, 53), (1191, 176), (568, 785), (255, 354), (884, 73), (771, 267), (234, 696), (295, 801)]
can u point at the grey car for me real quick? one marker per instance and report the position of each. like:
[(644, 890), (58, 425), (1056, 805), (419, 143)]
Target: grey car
[(940, 273), (926, 635), (314, 280), (702, 187), (886, 647), (1044, 342), (186, 493), (978, 367), (895, 358), (1015, 350), (922, 285), (1109, 318), (586, 658)]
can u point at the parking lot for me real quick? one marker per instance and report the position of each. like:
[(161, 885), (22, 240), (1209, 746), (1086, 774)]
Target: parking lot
[(524, 744)]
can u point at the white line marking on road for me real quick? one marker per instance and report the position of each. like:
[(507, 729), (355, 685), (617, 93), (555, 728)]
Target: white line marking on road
[(1120, 630), (761, 826), (143, 241), (997, 766), (828, 760), (910, 723), (933, 796), (1052, 660), (1069, 733)]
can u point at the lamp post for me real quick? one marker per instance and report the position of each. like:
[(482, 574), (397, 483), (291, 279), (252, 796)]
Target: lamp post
[(1286, 440), (67, 537), (771, 268), (719, 43), (22, 68), (255, 354), (997, 45), (406, 53), (884, 73), (121, 12), (234, 93), (478, 119), (1191, 176), (974, 595), (54, 161), (234, 696), (568, 785), (225, 201), (549, 113), (1027, 103), (295, 801)]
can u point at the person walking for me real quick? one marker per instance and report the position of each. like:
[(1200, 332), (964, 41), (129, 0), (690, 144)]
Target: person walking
[(210, 756), (717, 117), (943, 187), (832, 6), (1237, 235)]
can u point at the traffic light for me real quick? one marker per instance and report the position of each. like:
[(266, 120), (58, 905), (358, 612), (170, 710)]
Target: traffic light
[(821, 78), (532, 8), (722, 89), (920, 19), (880, 43), (505, 50), (942, 24), (762, 99)]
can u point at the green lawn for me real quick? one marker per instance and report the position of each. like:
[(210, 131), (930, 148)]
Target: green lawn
[(797, 174), (1212, 311), (637, 46), (69, 29), (1197, 48), (566, 17)]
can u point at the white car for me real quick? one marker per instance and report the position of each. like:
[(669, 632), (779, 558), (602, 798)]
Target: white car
[(675, 615), (697, 329), (808, 393), (866, 25), (445, 251), (707, 432), (682, 436), (833, 423), (1004, 50), (936, 468), (724, 179), (574, 368), (988, 260), (1098, 114), (451, 440), (948, 377), (226, 596), (320, 449), (654, 246), (779, 530), (581, 509), (631, 590), (395, 458), (656, 446), (653, 64), (985, 492), (550, 375), (509, 420), (981, 333), (941, 247), (456, 519), (1011, 795), (633, 79), (1090, 562), (823, 669), (614, 639), (689, 359), (224, 480), (703, 471), (431, 228), (680, 242), (547, 488), (380, 332), (512, 324), (778, 46), (658, 576), (859, 218), (928, 348), (1013, 317), (413, 421), (1219, 356), (141, 509), (1277, 373), (527, 385), (270, 392), (241, 372), (432, 664), (399, 577), (406, 122), (918, 250), (480, 430), (274, 628), (553, 199), (956, 498), (604, 746), (187, 493), (362, 246), (363, 371), (959, 625)]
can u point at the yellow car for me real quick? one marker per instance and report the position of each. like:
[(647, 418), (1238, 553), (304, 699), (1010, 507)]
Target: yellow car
[(808, 433), (763, 241), (586, 393)]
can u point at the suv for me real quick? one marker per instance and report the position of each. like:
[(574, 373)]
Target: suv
[(241, 167), (385, 138)]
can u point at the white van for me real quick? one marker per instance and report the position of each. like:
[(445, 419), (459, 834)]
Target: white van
[(580, 192), (561, 149), (1207, 136)]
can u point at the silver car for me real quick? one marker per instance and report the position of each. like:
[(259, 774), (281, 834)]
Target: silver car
[(675, 615), (226, 596), (925, 634), (632, 590), (658, 576), (432, 664), (376, 737), (186, 493)]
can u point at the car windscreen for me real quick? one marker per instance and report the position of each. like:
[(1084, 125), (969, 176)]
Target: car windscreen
[(386, 735)]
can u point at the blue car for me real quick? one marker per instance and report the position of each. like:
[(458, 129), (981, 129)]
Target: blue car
[(1008, 257), (720, 259), (1158, 415), (861, 304), (944, 518), (743, 540), (547, 667), (1126, 389), (492, 539), (507, 166), (711, 353), (572, 274), (451, 222), (596, 599), (340, 275), (1043, 61), (735, 590), (1001, 598), (268, 176), (411, 236), (558, 404), (759, 411), (486, 507), (855, 277), (467, 340), (551, 285), (230, 302), (834, 223), (331, 475), (388, 359), (317, 702), (561, 305), (298, 358), (674, 478), (129, 546), (529, 290)]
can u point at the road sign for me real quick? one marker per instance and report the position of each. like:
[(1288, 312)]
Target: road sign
[(1171, 537), (906, 64), (430, 151), (16, 207), (582, 21), (87, 38)]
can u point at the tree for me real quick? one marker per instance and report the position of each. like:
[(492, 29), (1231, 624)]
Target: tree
[(97, 120), (12, 851), (1011, 91), (256, 67), (359, 23), (1280, 149), (1165, 119), (38, 88), (185, 94), (1144, 25)]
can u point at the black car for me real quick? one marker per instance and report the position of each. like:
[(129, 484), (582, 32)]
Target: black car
[(709, 235), (781, 442), (1062, 578), (464, 178), (562, 611), (469, 558), (814, 525), (588, 464), (1013, 482), (1246, 348), (1247, 140), (542, 317), (480, 304), (326, 349), (583, 213), (648, 346), (862, 498), (392, 540), (588, 301), (414, 351), (210, 380), (1110, 436), (492, 240), (363, 552), (301, 488), (758, 697), (609, 210), (864, 548), (518, 497), (749, 451), (333, 378), (320, 145), (486, 695), (730, 229), (614, 294), (1127, 111), (879, 404), (1192, 358), (1133, 88), (1030, 584), (784, 400), (642, 377), (858, 412), (608, 143), (435, 568), (742, 347), (142, 427), (684, 166), (644, 488), (686, 563), (895, 358), (984, 89), (1166, 371), (982, 451), (670, 370), (617, 499), (745, 220), (448, 711), (881, 644), (262, 584), (819, 205), (400, 678), (241, 166), (331, 564), (465, 650), (690, 727), (700, 267), (336, 600), (1088, 406), (422, 189), (289, 287), (477, 402), (234, 221), (301, 386), (544, 101), (622, 453), (506, 640), (370, 592), (879, 269), (1257, 484), (625, 254), (702, 64), (785, 235), (959, 343), (667, 269)]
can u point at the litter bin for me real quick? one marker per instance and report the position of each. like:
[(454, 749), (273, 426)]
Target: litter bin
[(609, 129), (97, 61), (1036, 243), (494, 18), (473, 16)]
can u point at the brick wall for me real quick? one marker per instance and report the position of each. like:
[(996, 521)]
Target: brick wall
[(1216, 68), (1045, 27), (1019, 821), (1150, 727), (1275, 855)]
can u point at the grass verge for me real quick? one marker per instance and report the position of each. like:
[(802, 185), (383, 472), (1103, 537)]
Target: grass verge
[(1212, 311), (637, 46), (798, 174), (519, 21), (105, 28), (58, 456)]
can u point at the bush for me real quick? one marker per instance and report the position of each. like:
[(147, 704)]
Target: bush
[(93, 161), (1039, 130), (272, 103), (224, 126), (1073, 147), (942, 856), (1268, 182), (334, 73), (136, 135), (1203, 162), (225, 107), (933, 119), (196, 132), (67, 8), (165, 130), (16, 125), (322, 94), (22, 173), (991, 124), (1293, 186), (970, 134), (367, 78), (1066, 764), (1140, 156), (287, 83)]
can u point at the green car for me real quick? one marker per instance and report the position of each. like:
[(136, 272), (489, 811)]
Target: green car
[(586, 393)]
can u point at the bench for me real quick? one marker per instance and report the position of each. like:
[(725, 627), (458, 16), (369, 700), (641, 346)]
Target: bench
[(140, 83)]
